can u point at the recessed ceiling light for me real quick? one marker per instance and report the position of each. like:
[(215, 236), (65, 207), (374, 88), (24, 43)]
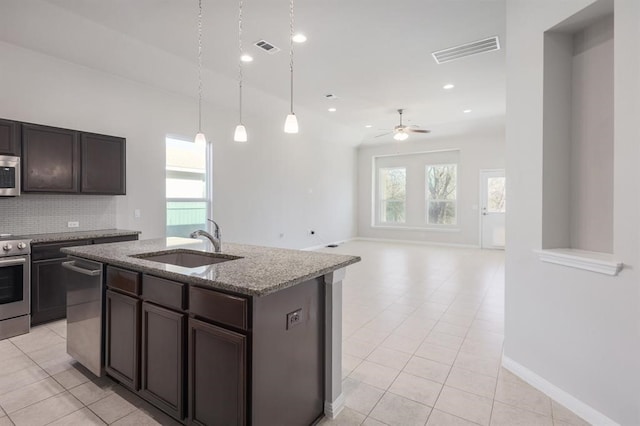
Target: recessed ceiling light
[(466, 111), (448, 86), (368, 126), (246, 58), (299, 38), (332, 110)]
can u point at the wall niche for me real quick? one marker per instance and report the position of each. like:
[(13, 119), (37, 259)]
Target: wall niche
[(578, 132)]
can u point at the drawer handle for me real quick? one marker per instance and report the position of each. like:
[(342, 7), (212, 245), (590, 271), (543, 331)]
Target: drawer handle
[(71, 265)]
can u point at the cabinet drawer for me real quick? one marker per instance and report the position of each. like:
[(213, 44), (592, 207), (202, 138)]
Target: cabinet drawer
[(123, 280), (116, 239), (52, 250), (219, 307), (164, 292)]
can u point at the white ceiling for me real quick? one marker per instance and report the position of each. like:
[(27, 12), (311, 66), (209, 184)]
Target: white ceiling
[(375, 55)]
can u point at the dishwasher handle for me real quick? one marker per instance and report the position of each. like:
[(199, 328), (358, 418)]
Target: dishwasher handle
[(71, 265)]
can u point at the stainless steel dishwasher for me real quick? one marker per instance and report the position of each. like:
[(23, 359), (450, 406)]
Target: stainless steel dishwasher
[(85, 303)]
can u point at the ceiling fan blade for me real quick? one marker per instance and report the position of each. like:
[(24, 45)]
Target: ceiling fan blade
[(383, 134), (417, 131)]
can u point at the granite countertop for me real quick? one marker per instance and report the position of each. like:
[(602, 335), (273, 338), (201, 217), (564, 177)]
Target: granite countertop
[(260, 271), (77, 235)]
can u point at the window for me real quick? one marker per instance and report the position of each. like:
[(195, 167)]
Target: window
[(441, 182), (392, 194), (186, 184), (496, 195)]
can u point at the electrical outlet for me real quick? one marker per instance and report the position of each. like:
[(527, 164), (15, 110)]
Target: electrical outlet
[(294, 318), (73, 224), (137, 214)]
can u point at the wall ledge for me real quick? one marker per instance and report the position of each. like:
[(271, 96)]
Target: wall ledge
[(602, 263), (583, 410)]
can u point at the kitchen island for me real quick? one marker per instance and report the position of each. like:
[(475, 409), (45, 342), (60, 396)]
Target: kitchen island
[(251, 335)]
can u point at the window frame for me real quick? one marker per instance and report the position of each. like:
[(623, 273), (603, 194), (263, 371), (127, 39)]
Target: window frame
[(428, 200), (208, 181), (380, 201)]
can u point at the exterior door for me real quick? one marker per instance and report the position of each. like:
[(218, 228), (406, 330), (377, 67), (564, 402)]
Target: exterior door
[(492, 209)]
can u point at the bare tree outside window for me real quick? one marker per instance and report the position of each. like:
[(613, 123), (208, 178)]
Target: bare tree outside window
[(441, 182), (392, 190)]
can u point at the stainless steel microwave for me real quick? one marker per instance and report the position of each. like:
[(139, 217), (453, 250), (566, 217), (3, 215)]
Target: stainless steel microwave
[(9, 176)]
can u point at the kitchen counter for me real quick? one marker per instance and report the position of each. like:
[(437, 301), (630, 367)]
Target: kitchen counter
[(259, 272), (77, 235), (210, 357)]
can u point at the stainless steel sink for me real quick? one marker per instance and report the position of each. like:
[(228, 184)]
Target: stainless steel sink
[(186, 258)]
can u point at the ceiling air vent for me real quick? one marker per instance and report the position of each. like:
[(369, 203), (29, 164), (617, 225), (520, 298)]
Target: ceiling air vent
[(468, 49), (267, 47)]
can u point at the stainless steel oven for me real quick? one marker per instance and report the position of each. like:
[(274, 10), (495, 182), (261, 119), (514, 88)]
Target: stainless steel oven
[(15, 285), (9, 176)]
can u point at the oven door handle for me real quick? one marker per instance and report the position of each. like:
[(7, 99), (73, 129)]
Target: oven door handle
[(12, 262), (71, 265)]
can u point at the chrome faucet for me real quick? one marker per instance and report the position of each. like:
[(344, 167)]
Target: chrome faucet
[(216, 238)]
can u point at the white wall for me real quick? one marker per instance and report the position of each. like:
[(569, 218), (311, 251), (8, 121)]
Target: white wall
[(275, 184), (482, 149), (578, 330)]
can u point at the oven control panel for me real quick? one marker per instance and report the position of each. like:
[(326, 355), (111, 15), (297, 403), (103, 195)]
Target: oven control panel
[(14, 247)]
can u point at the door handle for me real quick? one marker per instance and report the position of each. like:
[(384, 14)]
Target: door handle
[(11, 262), (71, 265)]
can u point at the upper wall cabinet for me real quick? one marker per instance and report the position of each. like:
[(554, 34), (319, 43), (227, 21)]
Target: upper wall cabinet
[(103, 164), (50, 159), (9, 137), (67, 161)]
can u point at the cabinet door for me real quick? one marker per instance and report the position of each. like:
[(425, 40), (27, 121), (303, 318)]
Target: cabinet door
[(9, 138), (103, 164), (48, 291), (122, 356), (162, 364), (50, 159), (217, 375)]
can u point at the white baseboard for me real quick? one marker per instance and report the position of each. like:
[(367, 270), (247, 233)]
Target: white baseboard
[(572, 403), (426, 243), (332, 409)]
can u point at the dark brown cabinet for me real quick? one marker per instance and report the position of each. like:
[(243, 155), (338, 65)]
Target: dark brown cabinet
[(103, 164), (68, 161), (162, 364), (122, 332), (217, 375), (48, 277), (9, 137), (50, 159)]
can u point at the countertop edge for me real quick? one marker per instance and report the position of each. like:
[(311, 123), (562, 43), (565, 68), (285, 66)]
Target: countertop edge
[(79, 235), (208, 283)]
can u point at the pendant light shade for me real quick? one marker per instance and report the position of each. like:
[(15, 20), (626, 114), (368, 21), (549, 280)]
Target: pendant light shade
[(200, 138), (240, 135), (291, 123)]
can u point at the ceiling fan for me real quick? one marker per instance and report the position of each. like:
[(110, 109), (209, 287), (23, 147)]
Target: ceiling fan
[(401, 132)]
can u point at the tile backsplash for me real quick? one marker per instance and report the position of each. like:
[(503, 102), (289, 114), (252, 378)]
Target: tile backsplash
[(38, 213)]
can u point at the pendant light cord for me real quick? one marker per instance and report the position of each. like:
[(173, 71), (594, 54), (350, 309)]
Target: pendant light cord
[(240, 73), (200, 66), (291, 49)]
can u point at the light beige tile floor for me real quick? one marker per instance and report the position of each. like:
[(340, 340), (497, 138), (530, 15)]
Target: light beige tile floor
[(422, 344), (422, 341)]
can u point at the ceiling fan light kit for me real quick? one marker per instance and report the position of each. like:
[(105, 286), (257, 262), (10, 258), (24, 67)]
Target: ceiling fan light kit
[(401, 132)]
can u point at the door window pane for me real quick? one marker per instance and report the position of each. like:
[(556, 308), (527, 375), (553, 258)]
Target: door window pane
[(496, 195)]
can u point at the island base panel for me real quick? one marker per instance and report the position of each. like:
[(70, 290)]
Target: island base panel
[(288, 356)]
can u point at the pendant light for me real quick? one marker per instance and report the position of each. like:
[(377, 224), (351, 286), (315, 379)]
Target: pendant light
[(240, 135), (200, 138), (291, 123)]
